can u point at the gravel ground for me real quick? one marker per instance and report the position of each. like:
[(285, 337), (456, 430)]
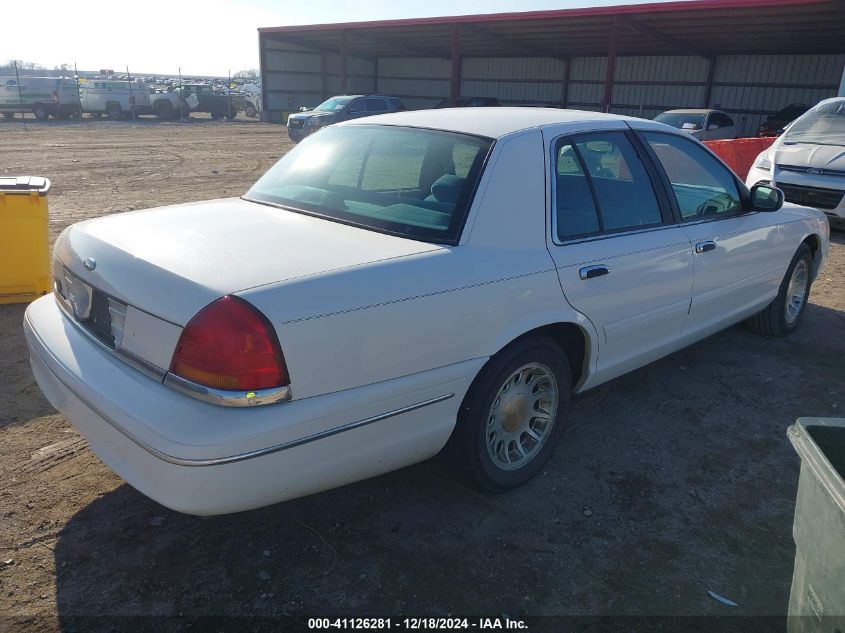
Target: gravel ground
[(671, 481)]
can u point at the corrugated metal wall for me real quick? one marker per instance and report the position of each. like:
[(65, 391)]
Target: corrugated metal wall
[(646, 86), (295, 77), (514, 80), (419, 82), (749, 87)]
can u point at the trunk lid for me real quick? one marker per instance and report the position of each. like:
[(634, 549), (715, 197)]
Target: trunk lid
[(173, 261)]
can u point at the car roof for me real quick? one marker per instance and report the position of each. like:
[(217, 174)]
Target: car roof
[(692, 111), (489, 122)]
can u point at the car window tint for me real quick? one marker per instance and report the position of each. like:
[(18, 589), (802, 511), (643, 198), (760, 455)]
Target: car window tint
[(624, 192), (703, 187), (574, 205), (717, 119), (391, 165), (464, 155), (397, 180), (376, 105)]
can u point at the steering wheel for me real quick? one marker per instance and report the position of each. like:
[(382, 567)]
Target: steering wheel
[(719, 203)]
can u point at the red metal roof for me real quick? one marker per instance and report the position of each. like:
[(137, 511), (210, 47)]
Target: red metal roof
[(695, 26)]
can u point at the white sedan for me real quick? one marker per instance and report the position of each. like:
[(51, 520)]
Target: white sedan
[(400, 284)]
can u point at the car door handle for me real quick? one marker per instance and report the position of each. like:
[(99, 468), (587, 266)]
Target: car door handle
[(588, 272), (704, 247)]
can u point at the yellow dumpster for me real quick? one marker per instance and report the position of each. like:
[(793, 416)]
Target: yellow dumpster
[(24, 241)]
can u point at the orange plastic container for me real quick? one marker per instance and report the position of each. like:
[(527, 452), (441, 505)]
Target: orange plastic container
[(24, 239)]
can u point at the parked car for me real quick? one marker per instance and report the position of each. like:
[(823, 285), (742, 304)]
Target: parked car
[(341, 108), (705, 125), (470, 102), (43, 96), (374, 297), (775, 124), (808, 160)]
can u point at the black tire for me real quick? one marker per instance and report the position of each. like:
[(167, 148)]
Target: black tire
[(468, 446), (9, 115), (114, 112), (164, 110), (217, 116), (775, 319), (40, 111), (250, 111)]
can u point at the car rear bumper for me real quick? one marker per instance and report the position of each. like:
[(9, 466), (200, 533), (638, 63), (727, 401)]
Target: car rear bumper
[(201, 459)]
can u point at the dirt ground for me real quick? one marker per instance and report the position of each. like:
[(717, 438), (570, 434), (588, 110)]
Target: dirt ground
[(670, 481)]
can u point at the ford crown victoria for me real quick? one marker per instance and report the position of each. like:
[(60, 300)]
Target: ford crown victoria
[(400, 284)]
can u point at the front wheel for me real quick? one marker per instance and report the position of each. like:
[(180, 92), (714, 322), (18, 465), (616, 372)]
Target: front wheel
[(114, 112), (783, 315), (41, 113), (251, 111), (513, 415)]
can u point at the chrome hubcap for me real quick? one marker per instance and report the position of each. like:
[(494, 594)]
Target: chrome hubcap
[(796, 293), (522, 416)]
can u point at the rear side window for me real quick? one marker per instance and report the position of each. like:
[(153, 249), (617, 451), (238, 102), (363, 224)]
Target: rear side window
[(410, 182), (620, 187), (376, 105), (574, 204), (703, 187)]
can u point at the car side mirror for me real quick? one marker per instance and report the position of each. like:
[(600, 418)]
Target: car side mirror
[(765, 198)]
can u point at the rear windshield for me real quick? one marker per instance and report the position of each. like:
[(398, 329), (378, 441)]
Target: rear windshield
[(823, 125), (405, 181)]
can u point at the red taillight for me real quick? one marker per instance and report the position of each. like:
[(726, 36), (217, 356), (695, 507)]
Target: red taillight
[(230, 345)]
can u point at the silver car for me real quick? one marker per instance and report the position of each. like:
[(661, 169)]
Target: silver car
[(703, 124)]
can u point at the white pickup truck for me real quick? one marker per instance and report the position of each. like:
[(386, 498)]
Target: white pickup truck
[(117, 99)]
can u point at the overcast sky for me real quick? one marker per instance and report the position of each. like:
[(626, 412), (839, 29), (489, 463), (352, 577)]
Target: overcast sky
[(210, 37)]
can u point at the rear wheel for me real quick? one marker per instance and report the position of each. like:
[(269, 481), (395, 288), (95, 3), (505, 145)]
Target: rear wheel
[(250, 111), (217, 115), (113, 111), (40, 111), (513, 415), (164, 110), (784, 314)]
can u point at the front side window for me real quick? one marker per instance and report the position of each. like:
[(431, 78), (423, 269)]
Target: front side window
[(410, 182), (703, 187), (602, 185)]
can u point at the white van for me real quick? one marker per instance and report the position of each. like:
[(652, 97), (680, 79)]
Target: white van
[(43, 96), (114, 98), (120, 98)]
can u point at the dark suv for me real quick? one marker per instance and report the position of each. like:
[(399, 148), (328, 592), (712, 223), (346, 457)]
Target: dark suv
[(338, 109)]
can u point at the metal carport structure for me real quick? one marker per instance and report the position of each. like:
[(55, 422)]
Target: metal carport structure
[(749, 56)]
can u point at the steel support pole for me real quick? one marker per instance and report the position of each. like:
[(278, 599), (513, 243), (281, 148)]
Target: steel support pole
[(708, 88), (343, 78), (455, 75), (611, 68)]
